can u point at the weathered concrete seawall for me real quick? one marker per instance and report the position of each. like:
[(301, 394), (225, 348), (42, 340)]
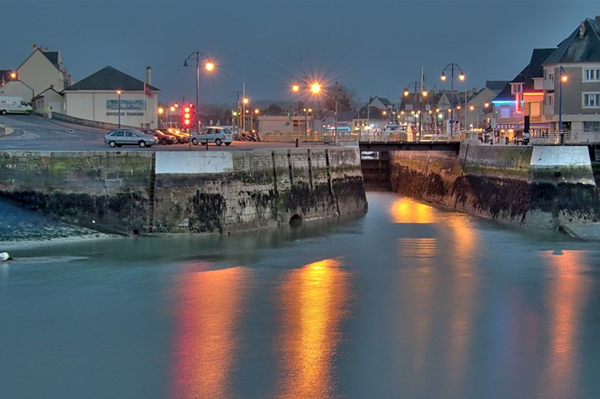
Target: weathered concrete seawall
[(186, 192), (540, 187)]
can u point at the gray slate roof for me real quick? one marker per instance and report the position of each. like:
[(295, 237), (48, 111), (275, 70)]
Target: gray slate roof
[(496, 85), (373, 113), (52, 57), (110, 78), (576, 49), (5, 75)]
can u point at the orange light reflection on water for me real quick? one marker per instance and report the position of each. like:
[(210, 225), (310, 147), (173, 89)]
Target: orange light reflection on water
[(567, 294), (405, 210), (209, 309), (312, 300)]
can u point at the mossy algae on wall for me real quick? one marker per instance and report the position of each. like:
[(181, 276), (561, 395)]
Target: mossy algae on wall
[(538, 187), (191, 192)]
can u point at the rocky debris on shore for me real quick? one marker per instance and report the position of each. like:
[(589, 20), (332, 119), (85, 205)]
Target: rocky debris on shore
[(18, 224)]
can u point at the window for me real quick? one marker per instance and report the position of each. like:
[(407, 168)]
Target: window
[(550, 100), (408, 107), (505, 112), (591, 126), (516, 88), (534, 109), (591, 100), (551, 76), (591, 75)]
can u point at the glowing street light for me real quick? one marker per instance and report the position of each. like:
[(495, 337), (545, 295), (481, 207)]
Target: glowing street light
[(295, 88), (119, 94), (208, 66), (13, 75), (315, 88), (161, 110), (452, 67)]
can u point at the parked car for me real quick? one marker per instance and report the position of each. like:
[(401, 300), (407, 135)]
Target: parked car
[(14, 105), (162, 137), (119, 137), (213, 134), (181, 137)]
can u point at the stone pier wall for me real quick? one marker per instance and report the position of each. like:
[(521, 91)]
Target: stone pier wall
[(540, 187), (186, 192)]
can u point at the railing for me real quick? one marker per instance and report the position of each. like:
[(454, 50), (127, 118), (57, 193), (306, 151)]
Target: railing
[(315, 137), (568, 138)]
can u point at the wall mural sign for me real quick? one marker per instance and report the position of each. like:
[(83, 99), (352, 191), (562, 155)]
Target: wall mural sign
[(128, 107), (126, 104)]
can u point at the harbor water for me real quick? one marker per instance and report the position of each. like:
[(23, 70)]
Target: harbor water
[(409, 301)]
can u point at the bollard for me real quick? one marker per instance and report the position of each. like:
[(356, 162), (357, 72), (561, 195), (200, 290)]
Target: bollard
[(206, 145), (296, 143)]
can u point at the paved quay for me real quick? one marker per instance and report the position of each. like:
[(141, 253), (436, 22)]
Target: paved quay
[(35, 133)]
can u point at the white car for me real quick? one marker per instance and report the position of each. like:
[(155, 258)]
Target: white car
[(213, 134)]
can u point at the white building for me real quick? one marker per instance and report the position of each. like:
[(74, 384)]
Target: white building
[(48, 101), (96, 98), (282, 124)]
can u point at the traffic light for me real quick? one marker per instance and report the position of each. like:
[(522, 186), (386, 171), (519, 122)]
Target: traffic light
[(188, 114)]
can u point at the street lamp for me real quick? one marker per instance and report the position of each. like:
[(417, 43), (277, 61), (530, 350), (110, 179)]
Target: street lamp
[(314, 88), (424, 93), (563, 78), (245, 101), (452, 67), (119, 94), (209, 66)]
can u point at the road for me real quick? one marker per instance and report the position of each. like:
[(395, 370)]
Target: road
[(35, 133)]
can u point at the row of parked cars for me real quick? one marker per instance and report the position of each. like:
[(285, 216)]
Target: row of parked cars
[(148, 138)]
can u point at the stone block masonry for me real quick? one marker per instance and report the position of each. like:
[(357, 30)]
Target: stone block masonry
[(538, 187), (186, 192)]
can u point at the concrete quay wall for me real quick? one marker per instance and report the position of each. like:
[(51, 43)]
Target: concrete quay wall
[(186, 192), (537, 187)]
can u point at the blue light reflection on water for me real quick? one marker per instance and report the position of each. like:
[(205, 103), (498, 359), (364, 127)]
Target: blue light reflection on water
[(410, 301)]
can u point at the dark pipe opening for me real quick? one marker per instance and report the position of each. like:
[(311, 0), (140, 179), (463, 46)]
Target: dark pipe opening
[(295, 220), (135, 232)]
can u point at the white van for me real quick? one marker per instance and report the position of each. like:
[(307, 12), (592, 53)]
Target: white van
[(14, 105)]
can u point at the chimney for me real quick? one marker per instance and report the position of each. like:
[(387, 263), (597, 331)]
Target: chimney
[(33, 47), (148, 75), (582, 29)]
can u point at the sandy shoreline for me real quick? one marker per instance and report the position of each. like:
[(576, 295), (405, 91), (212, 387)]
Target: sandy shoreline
[(36, 243)]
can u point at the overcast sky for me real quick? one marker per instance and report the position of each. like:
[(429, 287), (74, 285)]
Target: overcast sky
[(373, 47)]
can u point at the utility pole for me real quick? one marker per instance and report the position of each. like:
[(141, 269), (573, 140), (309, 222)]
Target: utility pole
[(336, 114)]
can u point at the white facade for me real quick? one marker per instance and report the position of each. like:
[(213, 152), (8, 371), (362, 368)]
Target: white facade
[(39, 73), (16, 88), (47, 102), (282, 124), (137, 109)]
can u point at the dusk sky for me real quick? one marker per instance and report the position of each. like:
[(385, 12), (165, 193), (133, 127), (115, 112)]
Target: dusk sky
[(374, 47)]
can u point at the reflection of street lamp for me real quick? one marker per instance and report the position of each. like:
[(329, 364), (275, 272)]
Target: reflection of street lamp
[(461, 77), (209, 66), (119, 93), (563, 78)]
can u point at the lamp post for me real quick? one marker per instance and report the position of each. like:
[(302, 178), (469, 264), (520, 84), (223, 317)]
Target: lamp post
[(245, 102), (335, 120), (424, 93), (452, 67), (209, 66), (314, 88), (119, 94), (562, 78)]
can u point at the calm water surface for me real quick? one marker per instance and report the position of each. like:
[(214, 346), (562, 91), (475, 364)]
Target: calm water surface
[(410, 301)]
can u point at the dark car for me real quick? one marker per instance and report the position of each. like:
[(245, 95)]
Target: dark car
[(162, 137)]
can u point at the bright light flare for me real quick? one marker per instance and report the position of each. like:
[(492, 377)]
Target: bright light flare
[(209, 66)]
